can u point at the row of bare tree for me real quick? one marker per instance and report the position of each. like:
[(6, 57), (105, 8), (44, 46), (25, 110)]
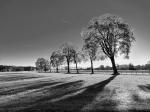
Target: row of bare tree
[(68, 53), (104, 37)]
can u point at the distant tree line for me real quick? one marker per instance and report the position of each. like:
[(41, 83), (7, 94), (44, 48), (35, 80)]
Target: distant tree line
[(4, 68), (104, 37), (125, 67)]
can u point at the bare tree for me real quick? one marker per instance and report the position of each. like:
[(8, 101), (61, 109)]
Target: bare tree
[(68, 52), (56, 59), (42, 64), (90, 50), (77, 57), (47, 65), (112, 35)]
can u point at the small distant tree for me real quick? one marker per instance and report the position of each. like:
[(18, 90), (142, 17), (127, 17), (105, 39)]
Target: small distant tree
[(56, 59), (42, 64), (112, 35), (102, 67), (138, 67), (68, 53), (148, 65), (131, 66)]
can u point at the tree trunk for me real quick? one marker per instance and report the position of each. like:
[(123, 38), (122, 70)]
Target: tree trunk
[(45, 69), (115, 71), (92, 70), (50, 70), (76, 67), (57, 71), (68, 63)]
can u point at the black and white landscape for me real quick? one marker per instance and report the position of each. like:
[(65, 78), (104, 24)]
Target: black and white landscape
[(74, 55)]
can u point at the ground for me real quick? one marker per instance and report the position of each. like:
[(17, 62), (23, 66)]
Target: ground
[(58, 92)]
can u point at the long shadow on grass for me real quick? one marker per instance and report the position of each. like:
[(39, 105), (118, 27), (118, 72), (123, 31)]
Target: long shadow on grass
[(141, 104), (26, 87), (145, 88), (74, 103), (48, 94)]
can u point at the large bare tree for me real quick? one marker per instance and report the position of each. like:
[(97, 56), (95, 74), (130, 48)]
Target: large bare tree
[(112, 35)]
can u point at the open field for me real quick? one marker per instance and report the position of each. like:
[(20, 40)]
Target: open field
[(122, 72), (57, 92)]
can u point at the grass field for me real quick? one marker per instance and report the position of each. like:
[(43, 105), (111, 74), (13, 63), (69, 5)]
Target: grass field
[(57, 92)]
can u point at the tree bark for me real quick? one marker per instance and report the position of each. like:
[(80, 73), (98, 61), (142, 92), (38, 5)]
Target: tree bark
[(92, 70), (76, 67), (115, 71), (68, 68)]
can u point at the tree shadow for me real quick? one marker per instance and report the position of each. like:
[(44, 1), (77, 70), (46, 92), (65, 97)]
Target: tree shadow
[(145, 88), (140, 104), (72, 103), (12, 91), (141, 101), (49, 93), (61, 90)]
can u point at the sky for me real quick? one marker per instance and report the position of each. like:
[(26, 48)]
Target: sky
[(30, 29)]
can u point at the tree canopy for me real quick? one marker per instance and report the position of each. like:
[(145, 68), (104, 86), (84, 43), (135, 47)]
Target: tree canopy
[(42, 64)]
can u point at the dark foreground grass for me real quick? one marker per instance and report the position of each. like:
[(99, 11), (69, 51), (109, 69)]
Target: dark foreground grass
[(76, 102), (11, 91), (74, 93)]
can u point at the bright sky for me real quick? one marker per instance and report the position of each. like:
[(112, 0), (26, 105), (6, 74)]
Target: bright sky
[(34, 28)]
